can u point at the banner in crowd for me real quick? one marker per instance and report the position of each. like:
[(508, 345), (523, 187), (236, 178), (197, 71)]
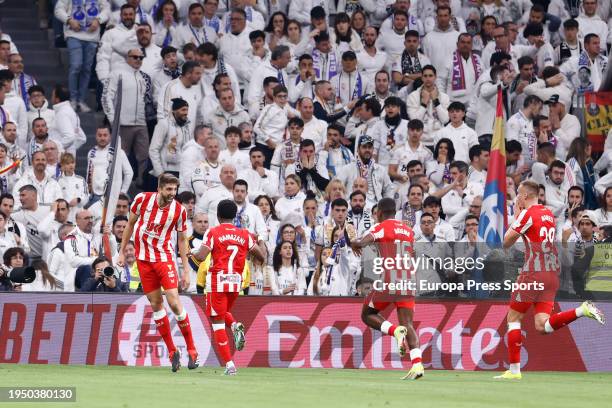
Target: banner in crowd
[(598, 117), (289, 332)]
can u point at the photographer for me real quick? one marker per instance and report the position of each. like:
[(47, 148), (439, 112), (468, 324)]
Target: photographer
[(103, 278), (12, 258)]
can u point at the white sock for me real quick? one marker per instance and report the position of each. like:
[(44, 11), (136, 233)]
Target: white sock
[(182, 316), (514, 326), (515, 368), (385, 326), (548, 328), (229, 364), (415, 353), (160, 314), (579, 311), (218, 326)]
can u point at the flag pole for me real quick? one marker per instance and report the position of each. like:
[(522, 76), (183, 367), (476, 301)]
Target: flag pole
[(109, 194)]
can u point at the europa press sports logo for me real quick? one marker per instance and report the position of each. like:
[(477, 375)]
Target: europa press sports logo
[(145, 347)]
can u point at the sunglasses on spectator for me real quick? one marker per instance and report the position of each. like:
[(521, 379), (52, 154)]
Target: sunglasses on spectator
[(137, 57)]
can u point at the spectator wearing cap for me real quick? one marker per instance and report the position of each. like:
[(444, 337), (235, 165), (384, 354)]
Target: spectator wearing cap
[(137, 107), (186, 87), (441, 42), (462, 136), (280, 58), (82, 33), (363, 121), (107, 59), (169, 70), (429, 105), (390, 131), (194, 30), (571, 45), (377, 176), (207, 55), (458, 75), (349, 83), (169, 137)]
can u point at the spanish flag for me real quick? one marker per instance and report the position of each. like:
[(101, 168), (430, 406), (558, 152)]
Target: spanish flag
[(493, 217)]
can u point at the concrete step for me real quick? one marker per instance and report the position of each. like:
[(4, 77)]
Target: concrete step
[(12, 23), (18, 35)]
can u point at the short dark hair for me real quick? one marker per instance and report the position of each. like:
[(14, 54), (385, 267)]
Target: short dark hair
[(189, 66), (306, 143), (356, 193), (241, 182), (279, 89), (339, 202), (168, 50), (570, 23), (412, 33), (558, 164), (459, 165), (475, 151), (589, 37), (256, 149), (526, 60), (498, 56), (457, 106), (185, 197), (208, 48), (119, 218), (415, 124), (513, 146), (270, 80), (255, 34), (226, 210), (36, 88), (61, 92), (28, 187), (295, 121), (232, 130), (387, 206), (530, 99), (413, 163), (431, 200), (100, 259), (373, 106), (431, 68)]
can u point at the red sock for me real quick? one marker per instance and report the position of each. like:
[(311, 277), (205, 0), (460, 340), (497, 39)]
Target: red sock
[(514, 345), (561, 319), (220, 336), (186, 331), (229, 319), (163, 327)]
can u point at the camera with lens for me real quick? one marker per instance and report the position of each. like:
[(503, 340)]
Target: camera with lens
[(25, 274)]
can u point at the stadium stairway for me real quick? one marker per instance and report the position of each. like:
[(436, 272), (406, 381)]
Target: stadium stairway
[(49, 65)]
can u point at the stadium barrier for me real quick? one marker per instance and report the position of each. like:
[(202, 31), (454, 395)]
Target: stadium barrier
[(105, 329)]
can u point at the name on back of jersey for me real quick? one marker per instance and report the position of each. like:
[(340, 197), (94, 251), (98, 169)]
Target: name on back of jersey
[(232, 237)]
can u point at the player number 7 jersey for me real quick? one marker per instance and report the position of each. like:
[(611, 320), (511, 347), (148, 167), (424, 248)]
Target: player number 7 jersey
[(229, 247)]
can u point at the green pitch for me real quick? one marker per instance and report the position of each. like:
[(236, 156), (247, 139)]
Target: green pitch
[(313, 388)]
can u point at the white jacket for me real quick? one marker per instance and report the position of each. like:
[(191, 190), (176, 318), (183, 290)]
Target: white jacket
[(98, 160), (43, 112), (48, 230), (67, 127), (63, 12), (220, 120), (191, 155), (175, 89), (438, 45), (378, 178), (186, 33), (74, 187), (162, 158), (47, 190), (132, 97), (434, 117), (18, 114), (81, 248), (108, 60)]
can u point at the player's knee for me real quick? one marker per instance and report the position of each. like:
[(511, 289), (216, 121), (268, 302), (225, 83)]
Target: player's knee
[(540, 327)]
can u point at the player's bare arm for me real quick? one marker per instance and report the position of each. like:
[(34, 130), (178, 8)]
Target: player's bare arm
[(127, 235), (359, 243), (183, 250), (510, 238), (258, 251), (201, 253)]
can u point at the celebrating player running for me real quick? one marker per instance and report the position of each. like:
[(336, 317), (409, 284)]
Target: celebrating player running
[(392, 235), (156, 216), (536, 225), (229, 246)]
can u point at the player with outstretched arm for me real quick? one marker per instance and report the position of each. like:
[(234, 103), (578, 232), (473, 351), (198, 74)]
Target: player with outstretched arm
[(538, 277), (392, 236), (153, 218), (229, 247)]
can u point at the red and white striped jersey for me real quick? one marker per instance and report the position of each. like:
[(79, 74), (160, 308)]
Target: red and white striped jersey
[(153, 231), (536, 225), (229, 246)]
